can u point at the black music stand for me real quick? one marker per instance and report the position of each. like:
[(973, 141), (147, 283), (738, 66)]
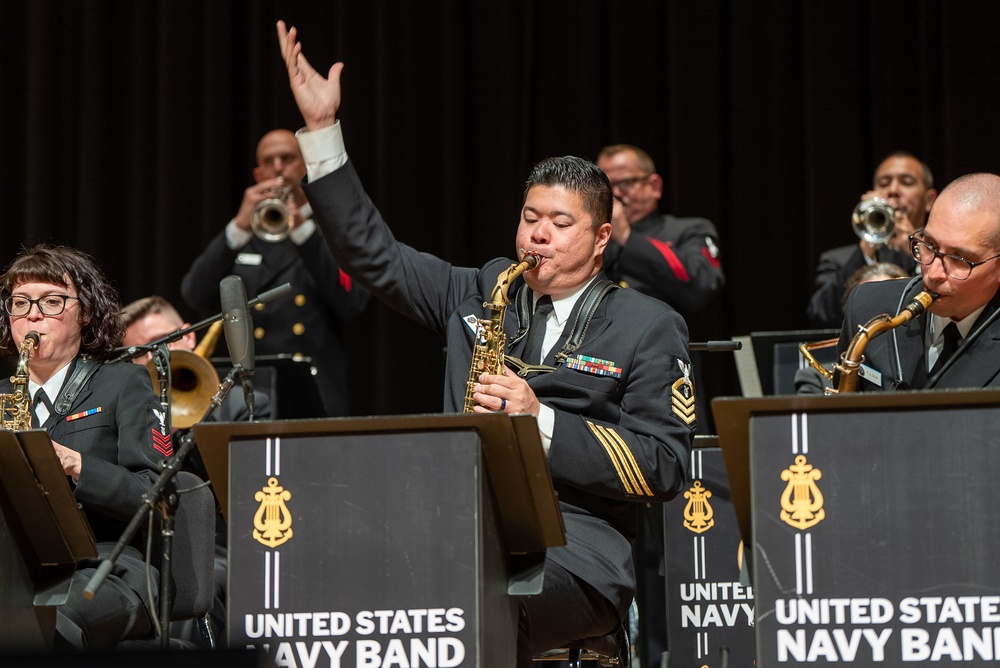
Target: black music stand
[(43, 535), (449, 512), (874, 497), (288, 381)]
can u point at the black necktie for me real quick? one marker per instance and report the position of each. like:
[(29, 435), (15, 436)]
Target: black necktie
[(536, 331), (43, 399), (952, 337)]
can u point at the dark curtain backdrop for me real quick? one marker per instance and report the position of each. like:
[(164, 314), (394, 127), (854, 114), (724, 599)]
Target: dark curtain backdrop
[(128, 129)]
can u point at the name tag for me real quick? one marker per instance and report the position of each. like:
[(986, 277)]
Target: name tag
[(870, 374), (251, 259)]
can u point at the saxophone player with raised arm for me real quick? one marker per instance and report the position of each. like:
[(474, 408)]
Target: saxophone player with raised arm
[(955, 342), (614, 401)]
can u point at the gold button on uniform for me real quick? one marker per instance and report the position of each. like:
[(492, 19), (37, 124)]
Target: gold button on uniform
[(258, 332), (300, 300), (298, 329)]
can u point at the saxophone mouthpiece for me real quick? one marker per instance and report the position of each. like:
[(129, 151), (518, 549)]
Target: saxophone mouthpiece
[(33, 336), (921, 302), (531, 257)]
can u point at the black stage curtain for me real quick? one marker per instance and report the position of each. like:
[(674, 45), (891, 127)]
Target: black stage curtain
[(128, 129)]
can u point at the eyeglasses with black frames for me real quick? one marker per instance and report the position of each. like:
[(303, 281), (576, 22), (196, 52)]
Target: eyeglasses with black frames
[(955, 266), (627, 184), (50, 305)]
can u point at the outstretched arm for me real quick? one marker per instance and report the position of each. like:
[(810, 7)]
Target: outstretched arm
[(318, 98)]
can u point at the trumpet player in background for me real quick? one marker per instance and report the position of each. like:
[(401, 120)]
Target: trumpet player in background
[(615, 415), (104, 422), (955, 343), (272, 240), (901, 182)]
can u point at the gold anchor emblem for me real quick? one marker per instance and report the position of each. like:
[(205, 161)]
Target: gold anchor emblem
[(698, 513), (272, 521), (802, 502)]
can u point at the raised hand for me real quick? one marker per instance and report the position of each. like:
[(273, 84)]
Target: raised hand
[(318, 98)]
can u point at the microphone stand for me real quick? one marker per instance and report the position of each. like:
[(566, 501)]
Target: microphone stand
[(127, 353), (154, 496), (715, 346)]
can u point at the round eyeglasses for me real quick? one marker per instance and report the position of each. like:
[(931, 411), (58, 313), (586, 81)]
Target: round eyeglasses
[(955, 266), (17, 305)]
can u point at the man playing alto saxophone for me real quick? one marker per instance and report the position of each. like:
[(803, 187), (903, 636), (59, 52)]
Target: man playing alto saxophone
[(954, 343), (616, 415)]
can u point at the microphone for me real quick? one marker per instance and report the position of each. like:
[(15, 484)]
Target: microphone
[(238, 329)]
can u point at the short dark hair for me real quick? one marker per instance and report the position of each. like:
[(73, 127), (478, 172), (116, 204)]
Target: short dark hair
[(926, 177), (642, 158), (580, 176), (152, 305), (102, 328)]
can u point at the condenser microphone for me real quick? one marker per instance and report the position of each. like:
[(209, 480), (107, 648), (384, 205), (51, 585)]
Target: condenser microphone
[(238, 329)]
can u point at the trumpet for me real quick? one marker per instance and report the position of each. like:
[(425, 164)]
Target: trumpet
[(272, 219), (874, 220)]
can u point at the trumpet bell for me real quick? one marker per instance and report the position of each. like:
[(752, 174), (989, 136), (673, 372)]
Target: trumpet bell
[(874, 220), (272, 220), (194, 382)]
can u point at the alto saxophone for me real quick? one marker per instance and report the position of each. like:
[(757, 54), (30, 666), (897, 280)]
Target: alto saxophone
[(490, 341), (849, 365), (15, 407)]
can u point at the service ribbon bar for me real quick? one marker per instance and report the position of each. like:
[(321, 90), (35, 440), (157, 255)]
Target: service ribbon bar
[(598, 367)]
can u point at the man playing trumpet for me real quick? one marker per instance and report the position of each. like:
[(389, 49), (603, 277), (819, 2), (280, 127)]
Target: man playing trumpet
[(324, 298), (905, 184)]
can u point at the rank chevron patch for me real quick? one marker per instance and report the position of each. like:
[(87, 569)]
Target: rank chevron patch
[(621, 458), (163, 443), (682, 395)]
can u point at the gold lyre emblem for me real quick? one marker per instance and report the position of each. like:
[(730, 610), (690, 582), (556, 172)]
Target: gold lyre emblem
[(801, 502), (272, 521), (698, 512)]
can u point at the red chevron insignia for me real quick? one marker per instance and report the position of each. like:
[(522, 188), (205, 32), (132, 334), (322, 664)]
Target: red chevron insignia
[(163, 443)]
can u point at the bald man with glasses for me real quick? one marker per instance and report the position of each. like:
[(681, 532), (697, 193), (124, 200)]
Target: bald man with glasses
[(956, 344)]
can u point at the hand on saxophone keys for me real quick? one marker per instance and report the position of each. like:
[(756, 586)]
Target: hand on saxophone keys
[(508, 393)]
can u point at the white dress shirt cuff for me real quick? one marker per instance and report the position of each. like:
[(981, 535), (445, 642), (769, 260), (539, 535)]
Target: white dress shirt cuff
[(546, 423), (237, 238), (302, 233), (323, 150)]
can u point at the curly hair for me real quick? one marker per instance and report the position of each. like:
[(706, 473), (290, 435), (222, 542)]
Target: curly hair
[(102, 328)]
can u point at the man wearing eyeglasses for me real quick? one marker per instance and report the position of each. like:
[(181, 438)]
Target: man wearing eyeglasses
[(956, 344), (673, 259), (907, 185)]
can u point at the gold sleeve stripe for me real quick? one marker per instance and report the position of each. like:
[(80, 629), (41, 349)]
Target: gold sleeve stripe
[(628, 469)]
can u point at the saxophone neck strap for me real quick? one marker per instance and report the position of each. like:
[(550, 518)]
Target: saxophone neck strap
[(597, 291), (83, 369), (587, 306)]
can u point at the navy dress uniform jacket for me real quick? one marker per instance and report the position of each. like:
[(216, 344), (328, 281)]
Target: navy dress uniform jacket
[(121, 447), (309, 321), (976, 366), (616, 441)]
